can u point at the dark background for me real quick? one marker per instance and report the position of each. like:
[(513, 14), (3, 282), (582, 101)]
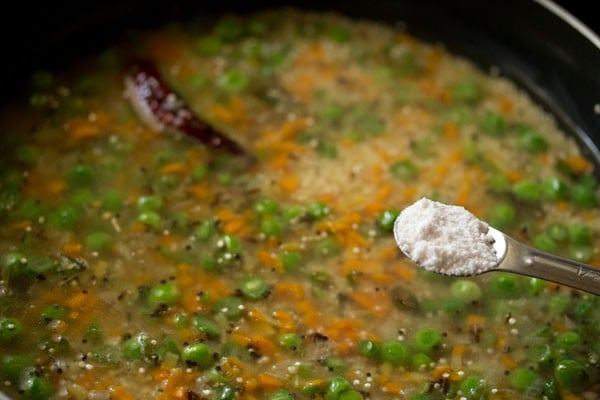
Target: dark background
[(584, 11)]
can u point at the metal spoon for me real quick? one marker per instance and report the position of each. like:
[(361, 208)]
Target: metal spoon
[(514, 256)]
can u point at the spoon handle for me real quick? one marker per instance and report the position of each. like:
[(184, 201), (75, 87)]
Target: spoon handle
[(526, 260)]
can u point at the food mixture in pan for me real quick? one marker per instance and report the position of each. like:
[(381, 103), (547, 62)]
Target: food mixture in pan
[(138, 264)]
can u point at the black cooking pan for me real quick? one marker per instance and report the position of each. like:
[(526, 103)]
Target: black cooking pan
[(538, 44), (535, 43)]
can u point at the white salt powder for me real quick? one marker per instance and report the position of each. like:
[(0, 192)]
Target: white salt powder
[(444, 238)]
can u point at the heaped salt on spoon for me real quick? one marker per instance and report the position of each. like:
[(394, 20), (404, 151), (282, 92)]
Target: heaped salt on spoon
[(448, 239)]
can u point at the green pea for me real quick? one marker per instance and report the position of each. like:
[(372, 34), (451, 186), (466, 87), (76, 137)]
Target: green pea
[(292, 213), (465, 290), (386, 220), (206, 326), (395, 352), (15, 265), (420, 360), (168, 345), (557, 231), (225, 392), (533, 142), (540, 353), (231, 307), (558, 303), (370, 125), (281, 394), (27, 154), (64, 217), (427, 340), (522, 379), (163, 293), (266, 207), (467, 90), (340, 34), (327, 149), (571, 374), (291, 260), (583, 196), (55, 312), (473, 387), (204, 230), (10, 329), (337, 386), (326, 247), (527, 190), (584, 308), (229, 29), (36, 387), (231, 244), (551, 391), (369, 348), (498, 182), (254, 287), (351, 395), (98, 241), (545, 243), (80, 175), (149, 218), (197, 354), (208, 46), (200, 172), (421, 396), (330, 112), (149, 203), (493, 123), (404, 170), (580, 234), (505, 285), (29, 209), (94, 332), (13, 366), (233, 81), (317, 211), (135, 347), (290, 341), (502, 216), (567, 340), (210, 264), (272, 227), (555, 189), (581, 252), (535, 286), (112, 201)]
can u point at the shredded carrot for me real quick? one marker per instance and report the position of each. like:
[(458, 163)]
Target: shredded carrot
[(579, 164), (393, 387), (80, 128), (507, 361), (475, 320), (404, 271), (378, 303), (268, 381), (289, 183), (72, 249), (56, 186), (120, 393), (505, 105), (450, 131), (173, 168), (265, 346), (285, 321), (288, 291)]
